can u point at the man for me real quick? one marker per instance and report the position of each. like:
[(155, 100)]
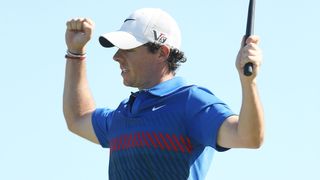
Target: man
[(167, 129)]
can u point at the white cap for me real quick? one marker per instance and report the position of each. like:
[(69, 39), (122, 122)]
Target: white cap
[(142, 26)]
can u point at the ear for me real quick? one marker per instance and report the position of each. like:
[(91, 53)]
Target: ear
[(164, 52)]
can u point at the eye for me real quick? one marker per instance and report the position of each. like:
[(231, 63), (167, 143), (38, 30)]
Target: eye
[(128, 50)]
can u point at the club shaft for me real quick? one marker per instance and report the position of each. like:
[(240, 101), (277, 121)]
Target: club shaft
[(248, 68)]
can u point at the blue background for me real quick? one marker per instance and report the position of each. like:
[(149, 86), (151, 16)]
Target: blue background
[(35, 142)]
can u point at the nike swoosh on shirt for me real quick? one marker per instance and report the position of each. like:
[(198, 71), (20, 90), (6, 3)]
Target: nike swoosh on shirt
[(157, 108)]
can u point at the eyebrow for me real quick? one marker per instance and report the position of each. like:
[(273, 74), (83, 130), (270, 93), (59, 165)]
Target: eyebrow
[(130, 50)]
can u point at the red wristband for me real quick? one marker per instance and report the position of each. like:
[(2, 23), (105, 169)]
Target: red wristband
[(76, 58)]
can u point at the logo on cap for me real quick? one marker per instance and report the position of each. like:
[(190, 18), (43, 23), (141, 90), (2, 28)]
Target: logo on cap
[(129, 19), (161, 38)]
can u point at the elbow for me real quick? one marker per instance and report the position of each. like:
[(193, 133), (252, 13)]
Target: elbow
[(256, 142), (252, 140), (70, 125), (69, 121)]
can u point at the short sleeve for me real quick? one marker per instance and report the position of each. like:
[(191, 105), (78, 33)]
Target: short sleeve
[(101, 120), (205, 114)]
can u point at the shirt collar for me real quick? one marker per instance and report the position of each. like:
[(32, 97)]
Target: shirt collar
[(167, 87)]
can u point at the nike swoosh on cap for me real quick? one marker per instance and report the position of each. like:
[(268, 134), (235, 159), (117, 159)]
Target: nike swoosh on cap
[(129, 19)]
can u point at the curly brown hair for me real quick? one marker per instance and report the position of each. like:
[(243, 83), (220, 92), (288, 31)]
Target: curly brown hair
[(176, 57)]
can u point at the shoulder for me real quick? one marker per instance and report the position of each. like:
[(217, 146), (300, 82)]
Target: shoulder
[(100, 116), (198, 94), (202, 99), (193, 94)]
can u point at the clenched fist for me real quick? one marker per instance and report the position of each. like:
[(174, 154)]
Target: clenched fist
[(78, 33), (249, 53)]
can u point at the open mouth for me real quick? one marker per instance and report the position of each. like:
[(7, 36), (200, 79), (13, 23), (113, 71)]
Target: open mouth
[(123, 69)]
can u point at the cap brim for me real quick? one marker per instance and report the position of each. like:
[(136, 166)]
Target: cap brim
[(120, 39)]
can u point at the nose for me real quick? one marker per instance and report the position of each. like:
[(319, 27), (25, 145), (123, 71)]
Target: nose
[(117, 55)]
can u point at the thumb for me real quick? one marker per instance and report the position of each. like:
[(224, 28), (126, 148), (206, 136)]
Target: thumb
[(253, 39)]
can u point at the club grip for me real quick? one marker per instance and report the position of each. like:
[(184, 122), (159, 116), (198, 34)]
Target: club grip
[(248, 68)]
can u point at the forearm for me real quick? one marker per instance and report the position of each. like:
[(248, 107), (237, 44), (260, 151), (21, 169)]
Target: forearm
[(247, 129), (77, 98), (251, 117)]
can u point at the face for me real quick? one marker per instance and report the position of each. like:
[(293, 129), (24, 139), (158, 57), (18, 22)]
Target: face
[(139, 67)]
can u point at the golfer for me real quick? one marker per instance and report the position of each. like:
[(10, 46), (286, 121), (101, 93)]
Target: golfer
[(167, 129)]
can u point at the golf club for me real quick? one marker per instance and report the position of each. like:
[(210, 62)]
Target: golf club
[(248, 68)]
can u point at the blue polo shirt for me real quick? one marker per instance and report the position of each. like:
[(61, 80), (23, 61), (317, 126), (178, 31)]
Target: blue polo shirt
[(166, 132)]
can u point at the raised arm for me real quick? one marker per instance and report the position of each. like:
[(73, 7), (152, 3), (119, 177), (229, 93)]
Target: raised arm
[(247, 129), (78, 103)]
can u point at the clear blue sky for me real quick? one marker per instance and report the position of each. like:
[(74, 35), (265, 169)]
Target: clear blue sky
[(35, 142)]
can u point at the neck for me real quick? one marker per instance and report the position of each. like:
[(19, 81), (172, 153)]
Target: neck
[(163, 78)]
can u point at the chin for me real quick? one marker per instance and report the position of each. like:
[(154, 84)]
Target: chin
[(128, 84)]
